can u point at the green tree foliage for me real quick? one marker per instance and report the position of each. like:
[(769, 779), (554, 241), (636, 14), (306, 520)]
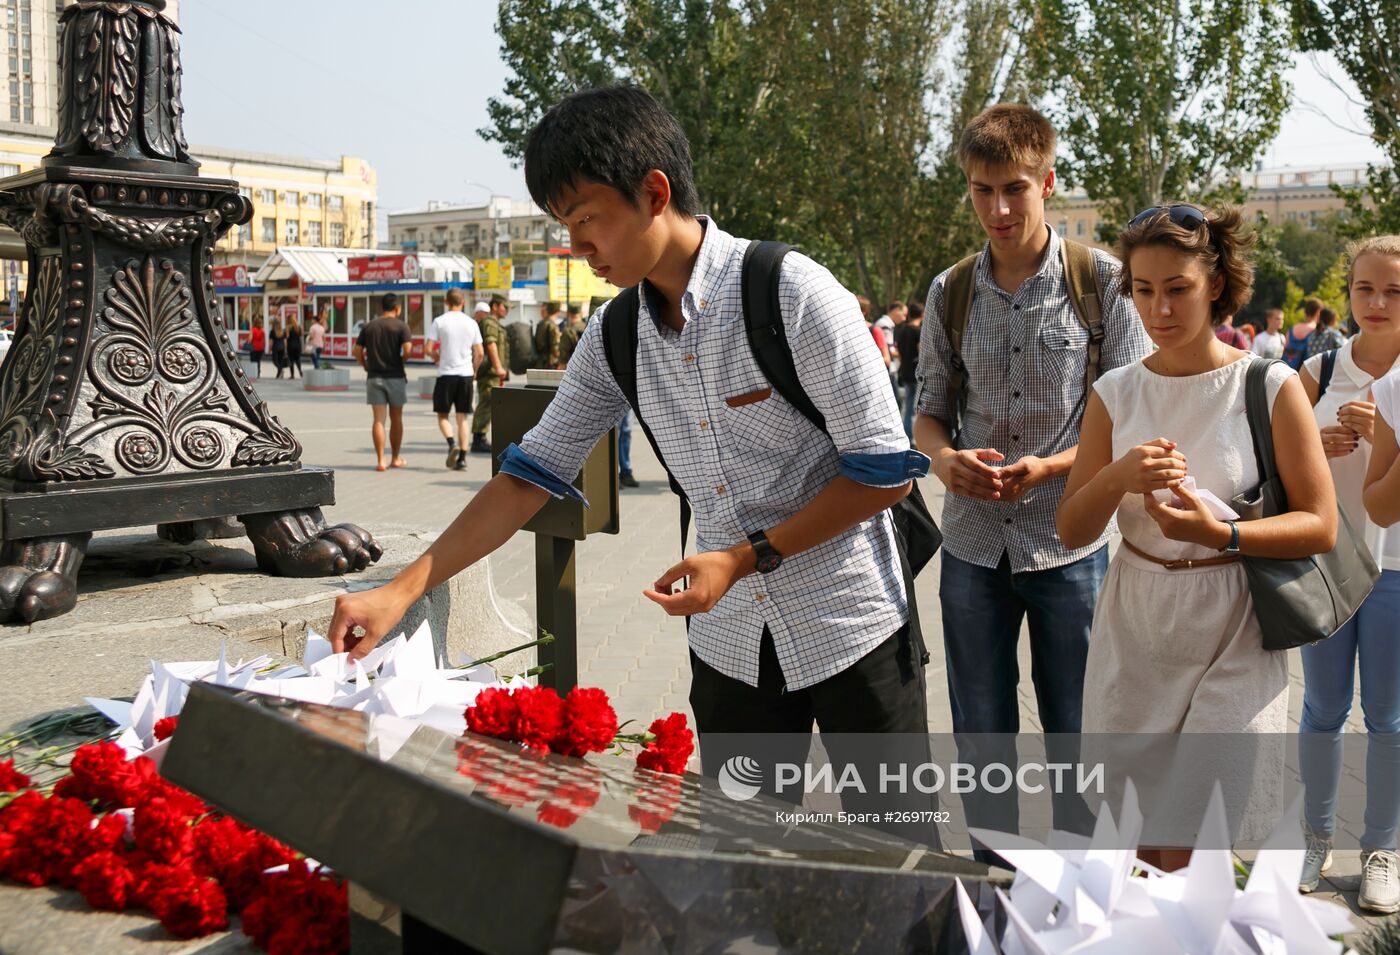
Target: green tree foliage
[(809, 120), (1331, 289), (1292, 251), (1161, 99), (1364, 36), (1292, 304)]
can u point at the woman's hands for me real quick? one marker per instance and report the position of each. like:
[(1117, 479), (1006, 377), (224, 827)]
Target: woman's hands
[(1154, 466), (1193, 524)]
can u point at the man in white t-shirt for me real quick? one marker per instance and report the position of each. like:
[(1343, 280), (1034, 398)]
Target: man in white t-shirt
[(455, 343), (1269, 343)]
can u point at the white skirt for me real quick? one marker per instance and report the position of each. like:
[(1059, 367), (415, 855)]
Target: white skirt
[(1180, 652)]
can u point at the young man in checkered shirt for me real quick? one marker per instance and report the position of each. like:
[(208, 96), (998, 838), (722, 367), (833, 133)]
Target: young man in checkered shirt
[(796, 600), (1025, 352)]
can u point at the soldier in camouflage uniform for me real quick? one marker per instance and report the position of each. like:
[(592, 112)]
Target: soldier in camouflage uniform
[(573, 331), (494, 371), (548, 335)]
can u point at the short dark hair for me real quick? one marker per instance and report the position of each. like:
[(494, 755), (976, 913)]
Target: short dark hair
[(613, 136), (916, 310), (455, 297), (1327, 316), (1311, 306), (896, 304), (575, 309), (551, 307), (388, 302)]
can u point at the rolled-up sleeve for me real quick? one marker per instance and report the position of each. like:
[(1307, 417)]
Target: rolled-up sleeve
[(588, 403), (841, 371), (935, 357)]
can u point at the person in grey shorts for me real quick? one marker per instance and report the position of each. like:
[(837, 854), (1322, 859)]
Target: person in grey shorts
[(381, 348)]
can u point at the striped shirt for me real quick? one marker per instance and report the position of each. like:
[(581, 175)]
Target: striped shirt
[(1025, 355), (749, 465)]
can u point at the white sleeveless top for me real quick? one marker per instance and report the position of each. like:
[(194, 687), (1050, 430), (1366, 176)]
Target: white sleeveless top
[(1205, 415)]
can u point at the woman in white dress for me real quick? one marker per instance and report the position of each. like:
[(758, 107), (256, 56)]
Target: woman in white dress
[(1175, 646)]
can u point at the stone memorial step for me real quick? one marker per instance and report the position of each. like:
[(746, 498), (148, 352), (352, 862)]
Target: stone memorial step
[(326, 379)]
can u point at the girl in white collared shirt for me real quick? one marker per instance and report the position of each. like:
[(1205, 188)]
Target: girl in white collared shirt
[(1345, 410)]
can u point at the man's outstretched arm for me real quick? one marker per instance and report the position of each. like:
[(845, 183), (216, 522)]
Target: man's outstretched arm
[(496, 512)]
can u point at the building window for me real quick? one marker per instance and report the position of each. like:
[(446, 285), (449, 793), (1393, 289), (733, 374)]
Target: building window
[(267, 197), (313, 200), (337, 234), (1064, 227), (9, 169), (269, 232), (1079, 228), (245, 234), (313, 233), (245, 192), (292, 232), (290, 198), (337, 203)]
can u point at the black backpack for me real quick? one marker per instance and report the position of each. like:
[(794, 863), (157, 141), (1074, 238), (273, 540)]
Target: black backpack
[(916, 533), (522, 348)]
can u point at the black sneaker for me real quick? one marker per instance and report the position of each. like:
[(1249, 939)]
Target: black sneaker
[(479, 445), (451, 453), (461, 464), (627, 480)]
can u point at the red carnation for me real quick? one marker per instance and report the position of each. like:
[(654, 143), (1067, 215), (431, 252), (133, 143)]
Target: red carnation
[(299, 911), (541, 717), (11, 779), (48, 841), (590, 723), (105, 881), (100, 772), (180, 800), (671, 747), (165, 728), (190, 906), (106, 835), (494, 713), (163, 832)]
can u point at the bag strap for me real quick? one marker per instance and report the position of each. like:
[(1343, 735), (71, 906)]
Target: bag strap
[(763, 322), (1261, 426), (620, 348), (957, 309), (1329, 365), (1085, 296)]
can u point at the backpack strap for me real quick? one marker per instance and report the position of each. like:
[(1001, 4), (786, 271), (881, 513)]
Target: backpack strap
[(620, 348), (763, 321), (1082, 280), (1329, 365), (1261, 427), (957, 308)]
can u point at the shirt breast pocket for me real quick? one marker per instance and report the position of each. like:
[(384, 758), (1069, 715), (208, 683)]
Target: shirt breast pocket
[(770, 424), (1064, 351)]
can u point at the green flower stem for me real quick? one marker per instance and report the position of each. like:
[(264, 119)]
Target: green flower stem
[(545, 639)]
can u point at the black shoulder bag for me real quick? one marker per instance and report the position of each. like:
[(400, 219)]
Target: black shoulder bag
[(1305, 599)]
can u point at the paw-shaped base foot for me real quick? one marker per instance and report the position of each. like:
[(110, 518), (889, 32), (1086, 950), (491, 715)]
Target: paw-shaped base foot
[(39, 577), (299, 544)]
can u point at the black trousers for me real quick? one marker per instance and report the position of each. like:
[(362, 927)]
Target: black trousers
[(881, 693)]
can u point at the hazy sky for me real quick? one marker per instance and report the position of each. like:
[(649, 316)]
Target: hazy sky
[(405, 85)]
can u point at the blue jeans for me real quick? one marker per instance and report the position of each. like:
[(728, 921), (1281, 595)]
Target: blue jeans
[(982, 614), (910, 397), (1329, 672), (624, 444)]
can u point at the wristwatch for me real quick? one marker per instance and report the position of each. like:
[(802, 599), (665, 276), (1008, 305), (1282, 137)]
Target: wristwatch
[(1234, 546), (769, 559)]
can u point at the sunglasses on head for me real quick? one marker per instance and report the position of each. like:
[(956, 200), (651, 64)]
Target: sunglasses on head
[(1186, 216)]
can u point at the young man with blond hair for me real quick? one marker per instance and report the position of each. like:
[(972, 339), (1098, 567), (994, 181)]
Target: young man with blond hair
[(1004, 370)]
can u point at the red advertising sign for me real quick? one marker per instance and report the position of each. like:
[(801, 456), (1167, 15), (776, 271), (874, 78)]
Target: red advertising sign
[(382, 268), (416, 348), (338, 346), (226, 275), (415, 302), (340, 301)]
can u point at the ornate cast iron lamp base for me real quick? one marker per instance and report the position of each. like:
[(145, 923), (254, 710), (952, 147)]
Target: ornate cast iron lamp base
[(122, 399)]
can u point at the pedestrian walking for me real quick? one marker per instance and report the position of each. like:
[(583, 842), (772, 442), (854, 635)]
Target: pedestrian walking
[(257, 345), (1326, 336), (1295, 349), (573, 330), (294, 344), (1176, 646), (548, 335), (906, 338), (382, 347), (494, 370), (316, 340), (1012, 345), (624, 451), (797, 610), (279, 347), (454, 342), (1269, 343), (1346, 386)]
